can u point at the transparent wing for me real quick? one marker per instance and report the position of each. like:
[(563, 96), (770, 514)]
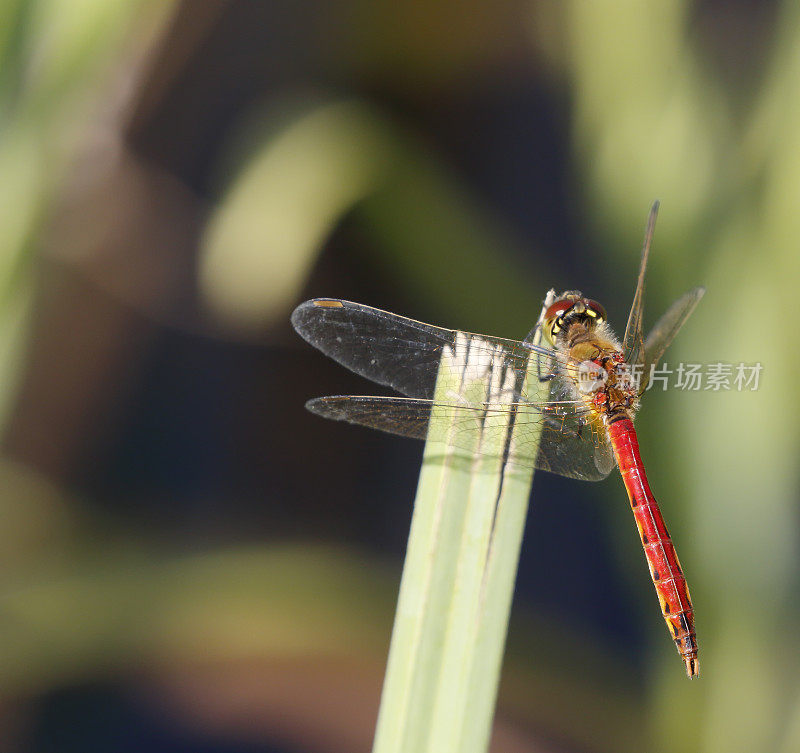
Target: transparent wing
[(665, 329), (407, 355), (633, 343), (571, 445), (402, 353)]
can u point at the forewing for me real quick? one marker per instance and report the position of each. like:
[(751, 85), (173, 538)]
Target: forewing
[(396, 351), (569, 446), (633, 342), (665, 329)]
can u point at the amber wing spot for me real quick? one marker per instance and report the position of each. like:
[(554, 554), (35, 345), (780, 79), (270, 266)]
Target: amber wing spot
[(328, 303)]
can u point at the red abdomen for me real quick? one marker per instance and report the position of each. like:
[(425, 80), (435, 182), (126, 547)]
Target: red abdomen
[(665, 569)]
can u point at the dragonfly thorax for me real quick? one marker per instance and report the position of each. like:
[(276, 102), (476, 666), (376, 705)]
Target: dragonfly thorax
[(593, 358), (604, 382)]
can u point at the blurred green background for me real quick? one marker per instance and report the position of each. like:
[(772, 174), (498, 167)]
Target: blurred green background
[(190, 562)]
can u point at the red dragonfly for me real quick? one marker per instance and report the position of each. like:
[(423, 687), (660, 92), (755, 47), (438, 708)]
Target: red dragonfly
[(582, 430)]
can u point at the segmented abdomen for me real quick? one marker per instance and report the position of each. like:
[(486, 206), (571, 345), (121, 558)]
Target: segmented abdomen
[(665, 569)]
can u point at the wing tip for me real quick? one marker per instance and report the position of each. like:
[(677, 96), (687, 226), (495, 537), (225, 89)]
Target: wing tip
[(297, 315), (326, 407), (302, 316), (694, 295)]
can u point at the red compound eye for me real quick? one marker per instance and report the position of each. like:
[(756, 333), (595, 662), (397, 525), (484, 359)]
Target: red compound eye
[(554, 317), (558, 308), (594, 309)]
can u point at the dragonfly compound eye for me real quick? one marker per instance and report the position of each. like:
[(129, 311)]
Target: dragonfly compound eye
[(554, 317), (595, 310), (572, 307)]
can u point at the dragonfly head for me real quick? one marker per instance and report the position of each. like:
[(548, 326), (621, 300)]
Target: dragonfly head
[(569, 309)]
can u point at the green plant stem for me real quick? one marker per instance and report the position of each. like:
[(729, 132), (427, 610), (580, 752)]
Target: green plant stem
[(458, 580)]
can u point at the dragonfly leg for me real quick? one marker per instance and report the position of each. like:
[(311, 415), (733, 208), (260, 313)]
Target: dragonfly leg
[(549, 375), (530, 338)]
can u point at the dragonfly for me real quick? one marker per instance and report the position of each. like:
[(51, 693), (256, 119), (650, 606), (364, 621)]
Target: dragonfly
[(580, 426)]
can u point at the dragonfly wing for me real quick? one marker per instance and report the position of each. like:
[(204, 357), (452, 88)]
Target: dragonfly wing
[(633, 343), (568, 446), (395, 351), (575, 449), (665, 329)]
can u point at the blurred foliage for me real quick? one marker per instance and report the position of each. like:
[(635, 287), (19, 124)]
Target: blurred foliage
[(332, 159), (650, 118), (55, 55)]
